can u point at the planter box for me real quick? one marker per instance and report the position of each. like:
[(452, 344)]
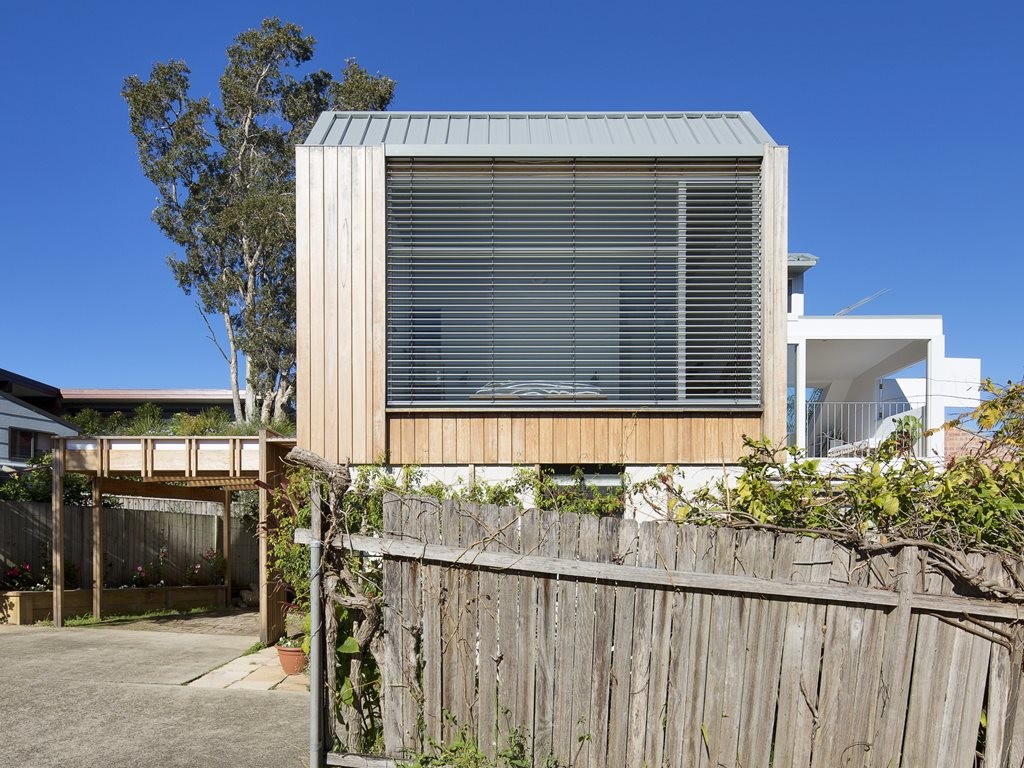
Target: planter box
[(30, 607)]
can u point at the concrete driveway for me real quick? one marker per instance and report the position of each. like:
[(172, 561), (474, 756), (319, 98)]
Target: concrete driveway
[(111, 697)]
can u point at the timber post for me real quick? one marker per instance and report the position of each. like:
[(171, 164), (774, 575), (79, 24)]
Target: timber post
[(97, 550), (57, 552), (226, 546)]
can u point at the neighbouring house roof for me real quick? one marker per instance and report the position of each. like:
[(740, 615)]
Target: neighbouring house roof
[(30, 391), (801, 262), (19, 385), (171, 401), (57, 401), (526, 134), (148, 395)]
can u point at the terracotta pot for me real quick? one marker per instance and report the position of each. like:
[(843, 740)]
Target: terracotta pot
[(293, 660)]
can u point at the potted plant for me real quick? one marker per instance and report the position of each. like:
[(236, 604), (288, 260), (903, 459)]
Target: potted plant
[(291, 655)]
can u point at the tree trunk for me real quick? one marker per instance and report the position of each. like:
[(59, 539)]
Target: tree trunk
[(266, 406), (236, 401), (284, 391), (250, 394)]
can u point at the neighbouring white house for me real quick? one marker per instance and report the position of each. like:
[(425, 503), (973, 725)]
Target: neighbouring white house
[(26, 426), (852, 377)]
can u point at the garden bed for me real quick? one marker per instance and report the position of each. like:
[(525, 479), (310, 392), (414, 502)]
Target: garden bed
[(29, 607)]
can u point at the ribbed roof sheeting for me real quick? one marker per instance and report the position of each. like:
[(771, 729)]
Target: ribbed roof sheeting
[(544, 134)]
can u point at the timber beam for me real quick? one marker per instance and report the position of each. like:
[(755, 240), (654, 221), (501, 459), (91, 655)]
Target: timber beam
[(153, 490)]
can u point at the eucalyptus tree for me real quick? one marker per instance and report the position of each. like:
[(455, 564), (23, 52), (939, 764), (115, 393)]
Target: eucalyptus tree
[(224, 174)]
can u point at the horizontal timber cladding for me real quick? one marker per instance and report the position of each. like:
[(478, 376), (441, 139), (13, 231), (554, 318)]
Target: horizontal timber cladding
[(574, 283), (340, 301), (551, 438)]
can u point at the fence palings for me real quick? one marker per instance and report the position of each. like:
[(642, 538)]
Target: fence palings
[(131, 537), (612, 643), (392, 579)]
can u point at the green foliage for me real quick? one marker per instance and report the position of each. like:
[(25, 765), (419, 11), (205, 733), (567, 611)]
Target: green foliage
[(36, 484), (1001, 415), (580, 497), (152, 573), (211, 421), (289, 510), (24, 578), (224, 176), (975, 504), (89, 421), (147, 419), (463, 752), (359, 91)]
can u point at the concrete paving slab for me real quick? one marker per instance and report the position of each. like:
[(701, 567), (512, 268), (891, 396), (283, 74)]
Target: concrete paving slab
[(268, 675), (297, 687), (92, 698), (257, 682), (215, 680)]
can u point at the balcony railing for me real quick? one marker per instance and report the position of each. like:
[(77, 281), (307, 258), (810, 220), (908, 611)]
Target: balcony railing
[(851, 430)]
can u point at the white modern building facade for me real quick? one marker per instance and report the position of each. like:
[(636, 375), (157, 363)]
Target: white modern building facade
[(852, 377)]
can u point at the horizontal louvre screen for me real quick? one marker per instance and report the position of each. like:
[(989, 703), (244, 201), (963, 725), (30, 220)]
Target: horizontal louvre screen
[(573, 282)]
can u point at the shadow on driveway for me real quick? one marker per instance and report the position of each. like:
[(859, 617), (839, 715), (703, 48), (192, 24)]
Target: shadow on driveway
[(113, 697)]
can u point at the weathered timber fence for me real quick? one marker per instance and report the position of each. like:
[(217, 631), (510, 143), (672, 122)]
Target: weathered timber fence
[(132, 537), (608, 643)]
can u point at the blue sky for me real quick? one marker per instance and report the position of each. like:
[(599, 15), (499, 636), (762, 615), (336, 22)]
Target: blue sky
[(904, 122)]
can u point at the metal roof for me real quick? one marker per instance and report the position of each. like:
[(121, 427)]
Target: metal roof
[(539, 134)]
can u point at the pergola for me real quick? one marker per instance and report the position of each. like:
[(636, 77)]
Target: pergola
[(201, 468)]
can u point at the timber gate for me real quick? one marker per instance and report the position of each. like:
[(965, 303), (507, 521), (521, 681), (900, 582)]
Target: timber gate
[(608, 643)]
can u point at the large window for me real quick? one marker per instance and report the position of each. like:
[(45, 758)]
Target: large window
[(573, 283)]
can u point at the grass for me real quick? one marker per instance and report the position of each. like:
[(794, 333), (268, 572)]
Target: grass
[(259, 645), (89, 621)]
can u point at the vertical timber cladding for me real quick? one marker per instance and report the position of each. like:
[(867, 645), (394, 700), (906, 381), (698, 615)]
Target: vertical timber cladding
[(774, 250), (340, 301)]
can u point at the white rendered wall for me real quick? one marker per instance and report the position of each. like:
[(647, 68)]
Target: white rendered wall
[(956, 383), (650, 505), (796, 296)]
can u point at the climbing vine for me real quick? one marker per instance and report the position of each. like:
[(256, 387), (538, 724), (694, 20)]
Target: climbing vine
[(889, 500)]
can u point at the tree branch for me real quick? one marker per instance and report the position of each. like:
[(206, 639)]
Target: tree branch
[(212, 336)]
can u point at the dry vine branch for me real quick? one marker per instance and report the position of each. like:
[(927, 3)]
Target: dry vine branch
[(953, 563), (347, 588)]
